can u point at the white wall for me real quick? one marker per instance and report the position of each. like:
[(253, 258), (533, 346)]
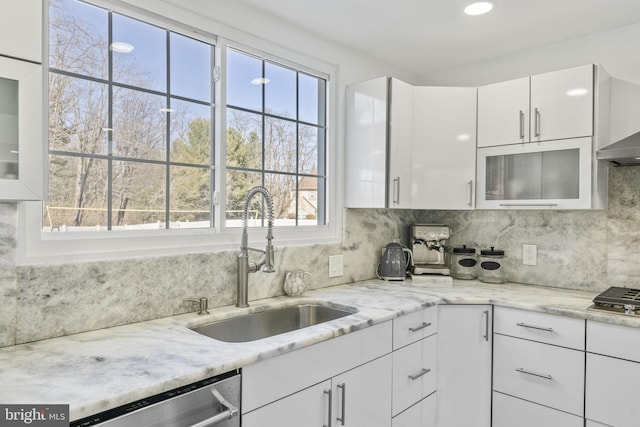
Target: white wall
[(616, 50)]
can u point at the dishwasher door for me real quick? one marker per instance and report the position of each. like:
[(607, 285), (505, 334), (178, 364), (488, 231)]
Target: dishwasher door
[(213, 402)]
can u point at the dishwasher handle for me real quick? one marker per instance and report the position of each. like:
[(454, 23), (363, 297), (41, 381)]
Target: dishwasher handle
[(230, 412)]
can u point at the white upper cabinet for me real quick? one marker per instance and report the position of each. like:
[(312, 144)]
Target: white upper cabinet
[(444, 147), (22, 152), (544, 107), (562, 104), (503, 113), (378, 144), (21, 29), (400, 143)]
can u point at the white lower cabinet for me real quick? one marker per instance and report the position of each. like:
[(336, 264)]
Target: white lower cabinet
[(549, 375), (612, 375), (464, 365), (414, 373), (362, 396), (344, 381), (509, 411), (422, 414)]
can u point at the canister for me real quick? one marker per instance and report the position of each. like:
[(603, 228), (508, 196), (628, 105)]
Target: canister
[(463, 263), (490, 265)]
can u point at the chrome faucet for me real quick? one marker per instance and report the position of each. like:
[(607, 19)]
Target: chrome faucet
[(244, 266)]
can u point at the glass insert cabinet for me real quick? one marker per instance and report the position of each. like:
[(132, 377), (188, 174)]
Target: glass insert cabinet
[(552, 174), (22, 152)]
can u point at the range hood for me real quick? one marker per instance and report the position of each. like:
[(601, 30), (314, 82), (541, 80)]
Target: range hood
[(624, 130), (622, 153)]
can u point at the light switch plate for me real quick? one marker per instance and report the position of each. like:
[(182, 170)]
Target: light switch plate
[(530, 254), (335, 266)]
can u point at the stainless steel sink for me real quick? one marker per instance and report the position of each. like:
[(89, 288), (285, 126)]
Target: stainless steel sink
[(268, 323)]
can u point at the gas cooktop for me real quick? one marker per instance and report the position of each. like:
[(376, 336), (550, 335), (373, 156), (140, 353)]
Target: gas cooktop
[(618, 300)]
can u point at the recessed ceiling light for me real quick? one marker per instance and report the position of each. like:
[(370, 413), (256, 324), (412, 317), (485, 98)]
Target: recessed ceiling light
[(260, 81), (479, 8), (121, 47)]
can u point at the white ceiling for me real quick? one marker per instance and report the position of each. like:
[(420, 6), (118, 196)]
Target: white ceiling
[(422, 36)]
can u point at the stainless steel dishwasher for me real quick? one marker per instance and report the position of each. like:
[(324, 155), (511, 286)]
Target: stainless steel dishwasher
[(211, 402)]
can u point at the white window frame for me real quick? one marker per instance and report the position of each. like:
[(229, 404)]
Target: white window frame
[(37, 247)]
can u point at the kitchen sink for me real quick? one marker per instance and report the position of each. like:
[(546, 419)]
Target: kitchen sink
[(272, 322)]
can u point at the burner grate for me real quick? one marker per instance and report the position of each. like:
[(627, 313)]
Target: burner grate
[(618, 299)]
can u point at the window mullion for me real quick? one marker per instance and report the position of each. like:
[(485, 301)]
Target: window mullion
[(110, 121)]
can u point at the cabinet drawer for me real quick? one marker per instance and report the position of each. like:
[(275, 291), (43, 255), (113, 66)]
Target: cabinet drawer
[(541, 327), (422, 413), (613, 340), (541, 373), (509, 411), (415, 326), (611, 394), (414, 373)]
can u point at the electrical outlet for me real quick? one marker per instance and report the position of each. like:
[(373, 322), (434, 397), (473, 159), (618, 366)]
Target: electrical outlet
[(530, 254), (335, 266)]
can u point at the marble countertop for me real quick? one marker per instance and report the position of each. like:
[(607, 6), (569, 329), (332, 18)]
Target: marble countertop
[(99, 370)]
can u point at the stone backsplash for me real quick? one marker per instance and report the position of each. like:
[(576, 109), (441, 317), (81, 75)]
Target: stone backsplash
[(576, 249)]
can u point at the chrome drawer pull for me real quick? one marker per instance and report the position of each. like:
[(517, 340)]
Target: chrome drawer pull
[(540, 328), (535, 374), (416, 329), (231, 412), (329, 393), (418, 375), (342, 386)]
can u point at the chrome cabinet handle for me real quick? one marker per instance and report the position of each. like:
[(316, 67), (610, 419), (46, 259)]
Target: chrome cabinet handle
[(470, 202), (528, 204), (232, 411), (537, 123), (417, 328), (329, 393), (486, 325), (521, 124), (535, 374), (422, 372), (396, 190), (343, 387), (540, 328)]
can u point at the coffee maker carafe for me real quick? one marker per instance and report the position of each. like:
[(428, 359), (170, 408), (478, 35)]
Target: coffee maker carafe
[(429, 248)]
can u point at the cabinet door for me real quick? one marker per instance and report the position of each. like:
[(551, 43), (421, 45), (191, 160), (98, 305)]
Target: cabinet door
[(422, 414), (611, 391), (444, 147), (362, 396), (309, 407), (400, 142), (562, 104), (553, 174), (21, 29), (22, 151), (503, 113), (366, 144), (509, 411), (464, 365)]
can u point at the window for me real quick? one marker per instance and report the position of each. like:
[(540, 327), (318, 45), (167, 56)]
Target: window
[(276, 133), (130, 123), (148, 157)]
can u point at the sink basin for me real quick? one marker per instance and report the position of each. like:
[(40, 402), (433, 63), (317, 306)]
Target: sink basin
[(268, 323)]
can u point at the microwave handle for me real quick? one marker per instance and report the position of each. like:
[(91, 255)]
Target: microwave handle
[(231, 412)]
